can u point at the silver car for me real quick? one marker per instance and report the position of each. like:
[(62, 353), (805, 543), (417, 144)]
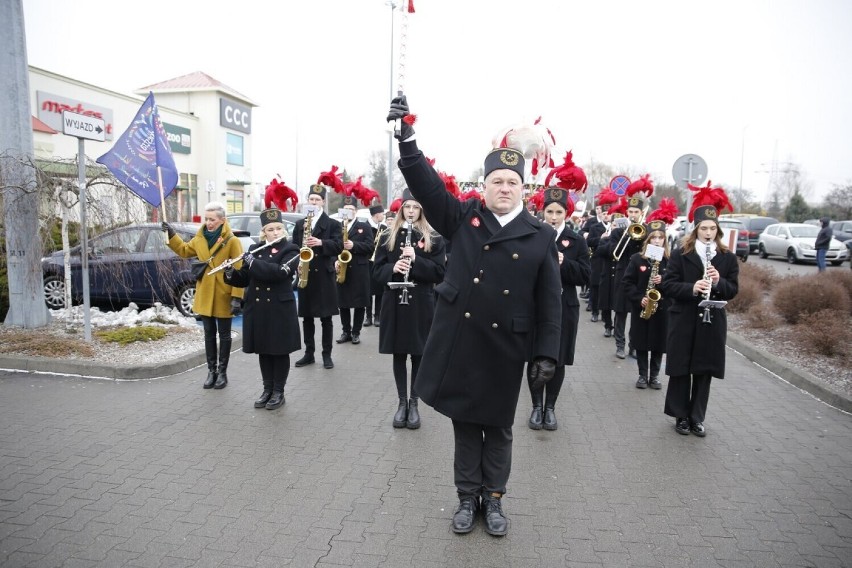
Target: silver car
[(795, 241)]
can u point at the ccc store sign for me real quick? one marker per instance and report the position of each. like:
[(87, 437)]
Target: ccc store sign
[(234, 115)]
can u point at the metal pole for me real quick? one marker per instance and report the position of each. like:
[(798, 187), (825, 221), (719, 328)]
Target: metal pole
[(84, 240)]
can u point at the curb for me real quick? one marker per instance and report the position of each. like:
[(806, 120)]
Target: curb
[(800, 378), (111, 372)]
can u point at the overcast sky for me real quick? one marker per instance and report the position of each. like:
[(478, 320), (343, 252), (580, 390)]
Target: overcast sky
[(630, 84)]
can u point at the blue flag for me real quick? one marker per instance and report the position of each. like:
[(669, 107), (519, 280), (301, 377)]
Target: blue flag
[(134, 158)]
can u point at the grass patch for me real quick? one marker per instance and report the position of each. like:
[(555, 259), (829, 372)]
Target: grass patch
[(128, 335), (40, 345)]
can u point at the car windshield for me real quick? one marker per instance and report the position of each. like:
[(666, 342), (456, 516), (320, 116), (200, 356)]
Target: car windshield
[(730, 224), (804, 232)]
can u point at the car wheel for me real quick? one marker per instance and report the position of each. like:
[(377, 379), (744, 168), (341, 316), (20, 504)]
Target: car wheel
[(184, 298), (54, 292), (762, 251), (791, 256)]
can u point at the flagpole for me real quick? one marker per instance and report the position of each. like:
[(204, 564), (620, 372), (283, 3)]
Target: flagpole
[(162, 195)]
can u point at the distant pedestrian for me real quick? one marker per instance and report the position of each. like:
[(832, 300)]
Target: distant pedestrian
[(823, 241)]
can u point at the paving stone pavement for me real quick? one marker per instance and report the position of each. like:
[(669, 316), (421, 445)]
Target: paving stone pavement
[(155, 473)]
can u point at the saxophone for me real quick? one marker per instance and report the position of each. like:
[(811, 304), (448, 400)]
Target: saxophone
[(652, 293), (306, 255), (345, 257)]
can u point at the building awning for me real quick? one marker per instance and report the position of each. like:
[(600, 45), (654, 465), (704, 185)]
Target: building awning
[(39, 126)]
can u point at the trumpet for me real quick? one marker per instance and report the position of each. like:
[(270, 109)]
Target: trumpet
[(345, 257), (232, 261), (635, 231), (306, 255), (652, 293)]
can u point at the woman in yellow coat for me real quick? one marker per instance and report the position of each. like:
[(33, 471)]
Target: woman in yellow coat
[(215, 301)]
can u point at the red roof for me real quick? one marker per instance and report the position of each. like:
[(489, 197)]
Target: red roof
[(39, 126), (194, 81)]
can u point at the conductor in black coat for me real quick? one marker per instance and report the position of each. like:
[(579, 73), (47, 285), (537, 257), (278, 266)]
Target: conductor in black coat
[(270, 324), (353, 294), (319, 298), (496, 310), (695, 350), (574, 270)]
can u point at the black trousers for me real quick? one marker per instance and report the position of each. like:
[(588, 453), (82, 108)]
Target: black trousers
[(606, 316), (687, 396), (274, 370), (620, 324), (594, 298), (349, 325), (483, 458), (214, 325), (308, 327), (642, 361)]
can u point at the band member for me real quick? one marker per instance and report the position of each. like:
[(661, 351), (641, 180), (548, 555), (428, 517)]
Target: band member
[(354, 291), (270, 324), (648, 335), (702, 269), (406, 314), (215, 301), (603, 255), (623, 247), (495, 312), (595, 228), (574, 270), (377, 225), (318, 299)]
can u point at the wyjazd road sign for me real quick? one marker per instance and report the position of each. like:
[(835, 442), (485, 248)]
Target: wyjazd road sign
[(83, 126)]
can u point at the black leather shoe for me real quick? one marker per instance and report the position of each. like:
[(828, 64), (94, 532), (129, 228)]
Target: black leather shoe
[(401, 414), (465, 516), (619, 352), (264, 398), (697, 428), (682, 426), (608, 332), (595, 318), (496, 523), (642, 383), (344, 338), (655, 383), (308, 359), (221, 379), (368, 322), (327, 362), (210, 380), (413, 420), (356, 339), (275, 401), (535, 418), (549, 422)]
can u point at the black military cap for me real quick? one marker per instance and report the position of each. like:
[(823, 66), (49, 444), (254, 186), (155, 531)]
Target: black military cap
[(504, 159)]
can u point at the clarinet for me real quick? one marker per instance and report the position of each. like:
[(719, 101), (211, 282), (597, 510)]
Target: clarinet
[(706, 318)]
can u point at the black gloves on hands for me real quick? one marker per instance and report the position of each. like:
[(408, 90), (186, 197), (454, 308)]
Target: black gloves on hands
[(540, 371), (229, 273), (399, 110), (168, 229), (248, 258), (236, 307)]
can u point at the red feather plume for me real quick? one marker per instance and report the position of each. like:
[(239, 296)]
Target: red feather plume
[(607, 196), (570, 176), (450, 184), (707, 195), (471, 194), (537, 200), (361, 192), (278, 193), (666, 212), (332, 180), (619, 207), (642, 185), (395, 205)]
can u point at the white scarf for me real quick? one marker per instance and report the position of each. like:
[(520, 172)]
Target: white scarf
[(510, 216), (701, 250)]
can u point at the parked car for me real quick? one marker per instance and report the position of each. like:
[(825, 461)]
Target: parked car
[(128, 264), (250, 222), (842, 230), (676, 230), (743, 247), (795, 241), (754, 224)]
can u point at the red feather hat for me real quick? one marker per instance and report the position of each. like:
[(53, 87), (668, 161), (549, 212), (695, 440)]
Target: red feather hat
[(620, 207), (708, 196), (607, 196), (666, 212), (471, 194), (360, 191), (395, 205), (570, 176), (279, 194), (331, 179)]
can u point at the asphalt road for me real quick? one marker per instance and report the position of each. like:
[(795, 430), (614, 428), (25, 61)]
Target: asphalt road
[(784, 268)]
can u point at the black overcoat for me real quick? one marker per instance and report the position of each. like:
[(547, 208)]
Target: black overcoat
[(355, 290), (606, 290), (645, 334), (404, 329), (319, 298), (620, 303), (270, 324), (594, 230), (574, 271), (498, 294), (694, 347)]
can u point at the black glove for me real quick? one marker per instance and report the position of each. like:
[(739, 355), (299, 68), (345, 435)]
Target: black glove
[(399, 110), (168, 229), (540, 371), (236, 307), (229, 273), (248, 258)]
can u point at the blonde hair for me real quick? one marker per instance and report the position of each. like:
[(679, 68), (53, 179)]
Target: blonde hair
[(648, 241)]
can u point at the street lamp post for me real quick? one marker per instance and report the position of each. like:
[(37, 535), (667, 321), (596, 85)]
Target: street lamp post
[(390, 131)]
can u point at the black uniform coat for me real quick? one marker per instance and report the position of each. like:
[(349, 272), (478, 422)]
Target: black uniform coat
[(606, 292), (319, 298), (694, 347), (496, 305), (574, 271), (645, 334), (404, 329), (355, 290), (620, 303), (594, 230), (270, 324)]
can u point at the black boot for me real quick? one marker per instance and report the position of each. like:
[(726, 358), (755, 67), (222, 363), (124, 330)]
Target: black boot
[(496, 523), (549, 422), (210, 350), (412, 422), (224, 357), (307, 359), (465, 516), (401, 415), (275, 401), (265, 395), (535, 416)]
